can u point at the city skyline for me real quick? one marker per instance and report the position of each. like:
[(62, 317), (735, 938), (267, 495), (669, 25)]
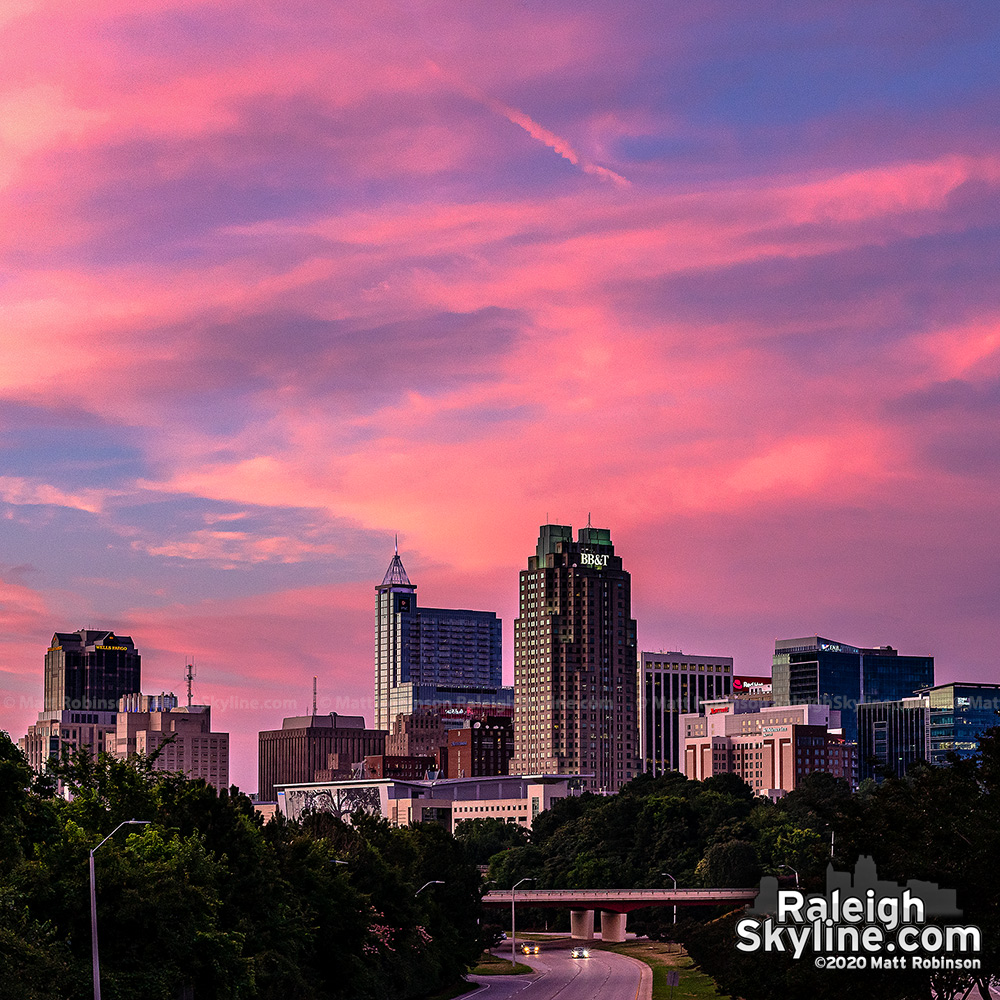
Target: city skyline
[(248, 706), (278, 285)]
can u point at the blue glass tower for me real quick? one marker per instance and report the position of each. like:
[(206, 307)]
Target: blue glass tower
[(814, 670)]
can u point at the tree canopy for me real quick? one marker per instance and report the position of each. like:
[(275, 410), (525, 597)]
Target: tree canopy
[(208, 896)]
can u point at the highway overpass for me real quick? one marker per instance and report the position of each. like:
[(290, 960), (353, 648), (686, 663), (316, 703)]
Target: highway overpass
[(614, 904)]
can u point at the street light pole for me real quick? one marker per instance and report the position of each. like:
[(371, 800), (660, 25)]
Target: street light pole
[(421, 889), (93, 905), (669, 876), (794, 872), (513, 932)]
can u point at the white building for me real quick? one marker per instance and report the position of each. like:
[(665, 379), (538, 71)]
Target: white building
[(513, 798)]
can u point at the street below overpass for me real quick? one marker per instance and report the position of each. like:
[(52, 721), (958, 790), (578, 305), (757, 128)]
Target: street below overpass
[(604, 975)]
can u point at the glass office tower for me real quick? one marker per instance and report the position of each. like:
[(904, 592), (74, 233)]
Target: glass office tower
[(818, 671)]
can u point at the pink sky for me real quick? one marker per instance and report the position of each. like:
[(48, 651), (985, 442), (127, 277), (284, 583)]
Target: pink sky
[(276, 285)]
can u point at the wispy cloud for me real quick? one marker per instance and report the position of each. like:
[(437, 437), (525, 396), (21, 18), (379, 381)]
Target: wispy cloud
[(533, 128)]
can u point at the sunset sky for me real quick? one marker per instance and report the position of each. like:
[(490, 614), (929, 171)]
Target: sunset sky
[(281, 280)]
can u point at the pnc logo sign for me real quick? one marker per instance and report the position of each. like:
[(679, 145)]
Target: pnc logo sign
[(593, 559)]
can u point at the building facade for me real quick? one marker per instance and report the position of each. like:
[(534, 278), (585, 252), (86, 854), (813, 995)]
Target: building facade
[(518, 800), (575, 702), (937, 722), (958, 714), (892, 736), (303, 745), (418, 734), (178, 738), (433, 659), (771, 748), (85, 674), (480, 749), (66, 732), (89, 670), (817, 671), (670, 685), (397, 767)]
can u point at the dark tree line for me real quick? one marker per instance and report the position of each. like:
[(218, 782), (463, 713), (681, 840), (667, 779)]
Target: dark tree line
[(208, 897)]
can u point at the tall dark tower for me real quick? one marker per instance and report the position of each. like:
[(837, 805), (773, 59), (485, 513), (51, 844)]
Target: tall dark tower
[(575, 661), (89, 671)]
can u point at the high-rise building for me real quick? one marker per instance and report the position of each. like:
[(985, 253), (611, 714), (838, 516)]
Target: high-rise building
[(89, 670), (670, 685), (892, 736), (303, 746), (958, 714), (575, 661), (86, 672), (937, 722), (818, 671), (434, 659), (178, 738)]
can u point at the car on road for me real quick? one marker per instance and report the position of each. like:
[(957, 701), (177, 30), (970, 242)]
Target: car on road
[(579, 952), (529, 948)]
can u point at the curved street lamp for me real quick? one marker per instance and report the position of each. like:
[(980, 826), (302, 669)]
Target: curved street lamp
[(669, 876), (513, 932), (424, 886), (93, 904), (794, 872)]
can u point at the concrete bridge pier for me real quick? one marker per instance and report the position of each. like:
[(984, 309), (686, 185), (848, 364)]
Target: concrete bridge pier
[(612, 926), (581, 924)]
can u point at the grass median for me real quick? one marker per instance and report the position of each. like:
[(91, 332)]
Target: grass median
[(493, 965), (663, 958)]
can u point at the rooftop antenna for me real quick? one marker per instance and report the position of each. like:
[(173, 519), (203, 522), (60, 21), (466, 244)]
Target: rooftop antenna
[(314, 695), (396, 537), (588, 518), (189, 677)]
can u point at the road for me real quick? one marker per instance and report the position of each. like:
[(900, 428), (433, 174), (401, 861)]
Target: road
[(604, 975)]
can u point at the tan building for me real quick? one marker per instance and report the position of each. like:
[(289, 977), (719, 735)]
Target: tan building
[(419, 734), (180, 737), (56, 733), (771, 748)]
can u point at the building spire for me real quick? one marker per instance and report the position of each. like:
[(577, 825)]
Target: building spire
[(395, 575)]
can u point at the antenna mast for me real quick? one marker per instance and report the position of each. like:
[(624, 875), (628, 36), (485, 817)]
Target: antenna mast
[(314, 695), (189, 677)]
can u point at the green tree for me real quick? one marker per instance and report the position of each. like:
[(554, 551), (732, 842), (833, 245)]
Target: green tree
[(482, 838)]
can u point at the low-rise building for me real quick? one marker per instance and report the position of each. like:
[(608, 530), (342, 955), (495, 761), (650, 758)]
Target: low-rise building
[(514, 798), (482, 748)]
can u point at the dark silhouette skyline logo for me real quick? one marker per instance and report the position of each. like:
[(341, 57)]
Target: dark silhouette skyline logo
[(938, 902)]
